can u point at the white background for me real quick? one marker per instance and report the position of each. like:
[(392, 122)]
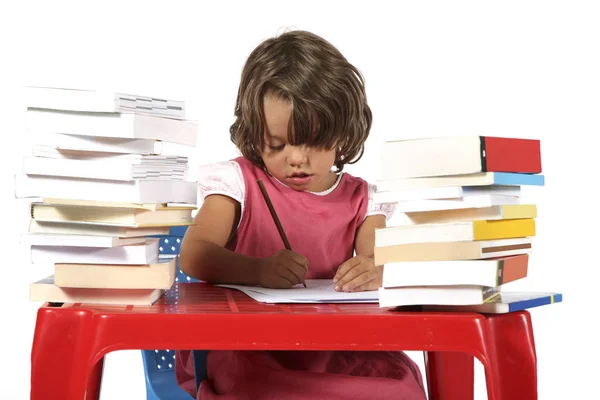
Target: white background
[(511, 68)]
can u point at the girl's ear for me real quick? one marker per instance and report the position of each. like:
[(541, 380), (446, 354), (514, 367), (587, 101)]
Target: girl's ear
[(338, 154)]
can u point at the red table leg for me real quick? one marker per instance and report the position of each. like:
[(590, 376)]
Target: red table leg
[(95, 381), (512, 371), (61, 354), (450, 375)]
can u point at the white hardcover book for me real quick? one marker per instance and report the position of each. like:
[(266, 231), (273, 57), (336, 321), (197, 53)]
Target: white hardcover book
[(135, 191), (56, 239), (130, 126), (146, 253), (102, 101), (127, 158), (478, 201), (439, 295), (107, 170), (444, 193), (62, 141)]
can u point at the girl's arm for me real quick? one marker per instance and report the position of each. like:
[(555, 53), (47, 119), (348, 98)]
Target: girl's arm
[(365, 237), (203, 254), (360, 272)]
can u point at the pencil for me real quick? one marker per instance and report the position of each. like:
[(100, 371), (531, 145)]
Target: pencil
[(275, 217)]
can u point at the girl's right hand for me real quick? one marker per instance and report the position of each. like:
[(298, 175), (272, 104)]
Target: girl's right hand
[(283, 270)]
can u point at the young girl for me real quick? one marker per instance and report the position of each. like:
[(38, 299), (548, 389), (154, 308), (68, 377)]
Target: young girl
[(301, 115)]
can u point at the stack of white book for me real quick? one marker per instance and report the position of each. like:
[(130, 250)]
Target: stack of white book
[(103, 188), (465, 232)]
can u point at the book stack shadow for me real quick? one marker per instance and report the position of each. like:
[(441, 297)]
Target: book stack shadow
[(464, 233), (102, 192)]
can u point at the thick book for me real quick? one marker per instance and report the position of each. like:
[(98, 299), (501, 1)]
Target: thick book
[(476, 179), (456, 155), (134, 191), (72, 99), (130, 126), (450, 192), (146, 253), (438, 295), (46, 290), (493, 272), (158, 275), (162, 215), (118, 170), (516, 211), (454, 232), (82, 228), (440, 251)]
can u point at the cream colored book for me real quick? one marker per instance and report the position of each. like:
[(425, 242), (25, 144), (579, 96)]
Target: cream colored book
[(78, 228), (94, 203), (508, 211), (159, 275), (117, 216), (447, 251), (46, 291)]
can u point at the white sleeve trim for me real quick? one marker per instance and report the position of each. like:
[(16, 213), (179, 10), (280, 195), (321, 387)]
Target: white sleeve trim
[(379, 209), (224, 178)]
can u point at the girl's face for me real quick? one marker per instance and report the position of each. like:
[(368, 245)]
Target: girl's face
[(299, 167)]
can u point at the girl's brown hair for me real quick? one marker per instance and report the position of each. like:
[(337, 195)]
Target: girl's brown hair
[(326, 92)]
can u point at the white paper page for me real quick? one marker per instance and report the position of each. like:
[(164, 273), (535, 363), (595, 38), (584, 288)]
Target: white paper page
[(316, 291)]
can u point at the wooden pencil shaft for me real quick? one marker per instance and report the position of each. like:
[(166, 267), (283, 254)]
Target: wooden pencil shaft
[(274, 215), (263, 190)]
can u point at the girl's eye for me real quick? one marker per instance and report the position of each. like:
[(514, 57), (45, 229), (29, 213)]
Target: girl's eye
[(276, 148)]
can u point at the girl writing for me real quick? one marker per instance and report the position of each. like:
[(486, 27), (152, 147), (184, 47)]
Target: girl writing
[(301, 116)]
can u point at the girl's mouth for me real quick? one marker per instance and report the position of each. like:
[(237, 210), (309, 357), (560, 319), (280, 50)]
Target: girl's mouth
[(299, 178)]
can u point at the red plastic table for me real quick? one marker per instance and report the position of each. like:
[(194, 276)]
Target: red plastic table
[(71, 340)]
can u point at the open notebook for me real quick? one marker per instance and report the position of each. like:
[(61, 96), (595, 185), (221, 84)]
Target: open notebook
[(316, 291)]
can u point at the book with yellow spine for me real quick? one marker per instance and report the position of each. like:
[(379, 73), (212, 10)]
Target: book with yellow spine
[(455, 231)]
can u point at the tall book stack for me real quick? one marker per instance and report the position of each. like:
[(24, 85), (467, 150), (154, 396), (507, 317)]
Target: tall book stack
[(465, 232), (103, 188)]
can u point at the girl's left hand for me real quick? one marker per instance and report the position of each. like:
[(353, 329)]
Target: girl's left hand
[(358, 274)]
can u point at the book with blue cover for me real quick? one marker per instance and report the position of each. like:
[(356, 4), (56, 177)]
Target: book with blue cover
[(505, 303), (466, 180)]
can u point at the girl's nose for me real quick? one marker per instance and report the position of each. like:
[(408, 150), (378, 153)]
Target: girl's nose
[(298, 155)]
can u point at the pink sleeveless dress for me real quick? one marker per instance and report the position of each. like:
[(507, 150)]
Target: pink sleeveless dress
[(321, 226)]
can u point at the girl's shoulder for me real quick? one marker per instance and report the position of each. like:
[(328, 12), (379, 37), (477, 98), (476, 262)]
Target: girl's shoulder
[(224, 178)]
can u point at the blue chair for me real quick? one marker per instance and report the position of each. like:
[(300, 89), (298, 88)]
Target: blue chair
[(159, 364)]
